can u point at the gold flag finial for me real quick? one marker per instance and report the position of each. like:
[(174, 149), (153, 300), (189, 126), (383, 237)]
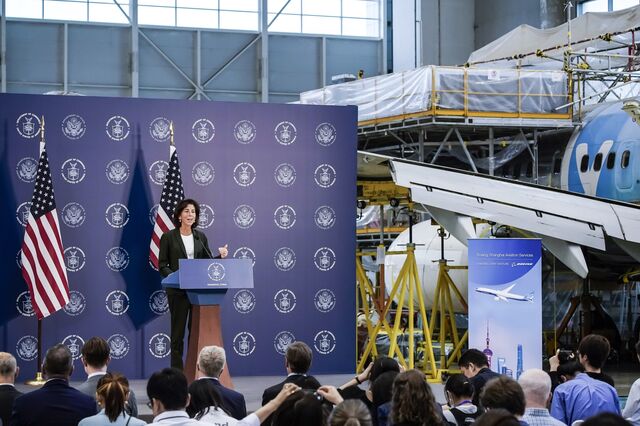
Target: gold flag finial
[(42, 130), (171, 133)]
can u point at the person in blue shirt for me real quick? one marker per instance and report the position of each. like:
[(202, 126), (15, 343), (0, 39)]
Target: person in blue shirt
[(584, 396)]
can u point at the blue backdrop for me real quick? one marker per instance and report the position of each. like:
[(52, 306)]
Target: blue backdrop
[(275, 182)]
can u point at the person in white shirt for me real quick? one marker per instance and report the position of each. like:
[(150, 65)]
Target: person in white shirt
[(169, 397), (631, 410)]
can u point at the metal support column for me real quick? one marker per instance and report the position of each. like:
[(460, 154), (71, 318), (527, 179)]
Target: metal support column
[(421, 138), (3, 47), (323, 63), (264, 52), (492, 160), (65, 58), (135, 49), (535, 156), (198, 61)]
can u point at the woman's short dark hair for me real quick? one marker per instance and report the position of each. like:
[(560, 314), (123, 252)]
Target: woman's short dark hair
[(300, 408), (459, 386), (203, 395), (382, 364), (183, 205), (112, 390)]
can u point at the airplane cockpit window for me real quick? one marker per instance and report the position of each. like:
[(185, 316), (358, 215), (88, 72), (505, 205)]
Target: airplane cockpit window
[(624, 162), (597, 162), (584, 163), (611, 160)]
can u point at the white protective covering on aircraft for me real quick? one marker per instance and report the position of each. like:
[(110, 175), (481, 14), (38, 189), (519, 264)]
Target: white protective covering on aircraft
[(522, 42), (427, 253)]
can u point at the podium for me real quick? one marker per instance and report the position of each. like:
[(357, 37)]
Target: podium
[(206, 282)]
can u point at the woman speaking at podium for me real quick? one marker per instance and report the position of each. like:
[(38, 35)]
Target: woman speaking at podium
[(183, 242)]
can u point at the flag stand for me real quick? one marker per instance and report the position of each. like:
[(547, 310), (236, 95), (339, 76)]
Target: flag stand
[(39, 380)]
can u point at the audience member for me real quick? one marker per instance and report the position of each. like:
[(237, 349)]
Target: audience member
[(8, 393), (504, 392), (56, 403), (606, 419), (593, 352), (459, 391), (168, 398), (381, 394), (585, 396), (351, 412), (631, 410), (564, 360), (536, 385), (205, 405), (112, 392), (475, 366), (96, 356), (301, 408), (211, 362), (497, 417), (413, 403)]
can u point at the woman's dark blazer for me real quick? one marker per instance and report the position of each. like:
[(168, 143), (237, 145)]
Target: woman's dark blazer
[(172, 249)]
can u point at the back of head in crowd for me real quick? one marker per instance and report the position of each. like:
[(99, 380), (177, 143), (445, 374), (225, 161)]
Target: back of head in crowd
[(381, 365), (382, 386), (58, 361), (211, 361), (413, 401), (8, 366), (473, 358), (351, 412), (204, 395), (300, 408), (497, 417), (595, 348), (458, 387), (169, 386), (606, 419), (299, 357), (536, 385), (503, 392), (111, 393), (95, 352), (569, 370)]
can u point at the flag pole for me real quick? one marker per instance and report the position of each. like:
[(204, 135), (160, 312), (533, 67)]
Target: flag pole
[(171, 134), (39, 380)]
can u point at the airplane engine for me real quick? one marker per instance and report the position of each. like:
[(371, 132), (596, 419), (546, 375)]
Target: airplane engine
[(427, 256)]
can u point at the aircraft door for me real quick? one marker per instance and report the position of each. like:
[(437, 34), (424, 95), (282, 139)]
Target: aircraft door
[(625, 165)]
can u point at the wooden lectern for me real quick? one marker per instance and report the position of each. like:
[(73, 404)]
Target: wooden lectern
[(206, 282)]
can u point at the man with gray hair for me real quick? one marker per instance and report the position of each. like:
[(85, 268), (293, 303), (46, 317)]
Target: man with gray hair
[(8, 392), (211, 362), (536, 385)]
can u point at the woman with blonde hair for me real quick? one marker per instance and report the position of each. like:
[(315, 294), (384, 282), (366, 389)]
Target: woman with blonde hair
[(112, 393)]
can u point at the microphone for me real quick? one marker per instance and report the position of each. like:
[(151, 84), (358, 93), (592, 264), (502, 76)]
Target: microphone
[(206, 249)]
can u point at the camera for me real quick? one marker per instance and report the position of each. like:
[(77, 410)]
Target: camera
[(566, 355)]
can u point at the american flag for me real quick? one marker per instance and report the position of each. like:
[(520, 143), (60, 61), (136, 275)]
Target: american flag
[(43, 265), (172, 194)]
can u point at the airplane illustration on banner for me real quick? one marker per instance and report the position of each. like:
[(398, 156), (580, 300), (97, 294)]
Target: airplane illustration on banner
[(505, 294)]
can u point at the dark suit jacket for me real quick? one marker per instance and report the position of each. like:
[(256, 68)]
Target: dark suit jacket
[(55, 404), (88, 387), (172, 250), (270, 393), (8, 394), (232, 401)]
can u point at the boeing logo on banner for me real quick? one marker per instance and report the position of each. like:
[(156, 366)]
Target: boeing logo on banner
[(158, 302), (285, 301), (27, 348), (285, 133), (23, 212), (203, 130), (285, 175), (118, 346), (117, 171), (75, 344), (73, 170), (324, 300), (285, 259), (284, 217), (244, 301), (117, 215), (26, 169), (244, 343), (153, 212), (24, 305), (282, 341), (76, 305), (203, 173), (244, 131), (159, 129), (244, 216), (325, 134), (244, 174), (117, 302), (158, 172), (117, 128), (325, 175), (73, 214), (159, 345), (207, 216), (324, 342), (74, 258), (216, 271), (73, 126), (245, 253), (28, 125), (117, 259), (324, 258), (324, 217)]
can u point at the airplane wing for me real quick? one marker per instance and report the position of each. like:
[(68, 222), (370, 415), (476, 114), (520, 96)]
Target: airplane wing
[(502, 298), (565, 221), (508, 289)]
